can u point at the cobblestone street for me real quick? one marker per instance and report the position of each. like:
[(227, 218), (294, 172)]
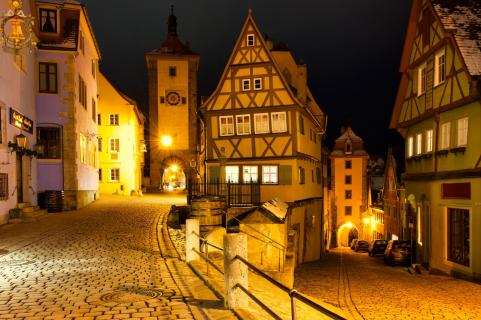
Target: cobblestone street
[(367, 289), (101, 262)]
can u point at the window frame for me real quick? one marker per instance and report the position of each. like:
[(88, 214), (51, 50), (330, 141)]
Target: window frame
[(246, 84), (346, 162), (40, 18), (257, 84), (422, 79), (348, 194), (172, 71), (250, 174), (48, 75), (257, 130), (440, 67), (242, 124), (462, 137), (270, 173), (346, 211), (429, 140), (283, 125), (250, 40), (449, 253), (83, 149), (116, 146), (234, 174), (48, 143), (116, 119), (445, 140), (348, 179), (82, 87), (227, 125), (419, 144), (302, 175), (410, 147), (117, 170)]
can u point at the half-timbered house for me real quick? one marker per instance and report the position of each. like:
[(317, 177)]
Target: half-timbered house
[(438, 111), (263, 122)]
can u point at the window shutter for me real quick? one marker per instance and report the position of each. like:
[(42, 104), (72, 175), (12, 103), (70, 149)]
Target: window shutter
[(214, 173), (285, 174)]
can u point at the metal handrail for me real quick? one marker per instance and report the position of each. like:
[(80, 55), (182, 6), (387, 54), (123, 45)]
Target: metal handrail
[(259, 302), (282, 247), (205, 241), (206, 258), (291, 292)]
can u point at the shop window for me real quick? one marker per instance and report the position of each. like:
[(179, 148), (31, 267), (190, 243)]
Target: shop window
[(48, 143), (458, 236)]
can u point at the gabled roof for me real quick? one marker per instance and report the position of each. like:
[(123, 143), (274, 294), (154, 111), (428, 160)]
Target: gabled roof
[(463, 18), (348, 136)]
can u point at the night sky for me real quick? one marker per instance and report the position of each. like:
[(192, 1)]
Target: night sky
[(352, 49)]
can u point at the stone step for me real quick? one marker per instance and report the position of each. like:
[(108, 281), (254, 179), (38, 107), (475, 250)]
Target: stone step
[(34, 214), (22, 205), (30, 209)]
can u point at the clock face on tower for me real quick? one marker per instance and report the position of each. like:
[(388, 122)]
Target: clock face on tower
[(173, 98)]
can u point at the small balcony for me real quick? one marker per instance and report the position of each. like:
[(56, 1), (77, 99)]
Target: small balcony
[(239, 194)]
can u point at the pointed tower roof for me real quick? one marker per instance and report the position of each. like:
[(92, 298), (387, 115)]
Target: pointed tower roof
[(348, 144), (173, 45)]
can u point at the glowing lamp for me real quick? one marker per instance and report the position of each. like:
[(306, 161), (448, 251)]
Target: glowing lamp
[(166, 141), (174, 168), (349, 225), (21, 141), (366, 220)]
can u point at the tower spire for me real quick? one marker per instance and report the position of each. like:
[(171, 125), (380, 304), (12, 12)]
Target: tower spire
[(172, 23)]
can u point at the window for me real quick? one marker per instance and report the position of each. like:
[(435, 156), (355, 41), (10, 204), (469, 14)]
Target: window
[(348, 179), (115, 175), (81, 42), (232, 174), (114, 119), (48, 20), (100, 174), (301, 124), (99, 119), (270, 175), (3, 186), (226, 125), (243, 124), (99, 143), (348, 210), (92, 153), (184, 100), (458, 236), (82, 92), (419, 143), (348, 194), (422, 80), (261, 123), (83, 149), (318, 175), (246, 84), (445, 135), (250, 40), (172, 71), (257, 84), (114, 145), (348, 164), (462, 131), (48, 143), (47, 77), (439, 68), (279, 122), (429, 140), (94, 68), (302, 175), (249, 173), (348, 147), (410, 147), (162, 99), (419, 225), (94, 110)]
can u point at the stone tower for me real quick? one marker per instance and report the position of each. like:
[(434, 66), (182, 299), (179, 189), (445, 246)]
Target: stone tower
[(173, 102)]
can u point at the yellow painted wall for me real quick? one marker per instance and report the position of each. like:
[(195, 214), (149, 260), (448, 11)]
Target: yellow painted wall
[(130, 131)]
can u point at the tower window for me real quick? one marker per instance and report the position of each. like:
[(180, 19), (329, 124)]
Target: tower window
[(250, 40), (172, 71)]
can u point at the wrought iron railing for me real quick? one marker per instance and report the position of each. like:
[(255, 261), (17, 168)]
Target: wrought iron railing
[(236, 194)]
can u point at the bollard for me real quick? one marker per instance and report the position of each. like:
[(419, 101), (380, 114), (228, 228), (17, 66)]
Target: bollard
[(191, 239), (235, 271)]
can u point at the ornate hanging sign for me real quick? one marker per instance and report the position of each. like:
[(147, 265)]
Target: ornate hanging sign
[(20, 121)]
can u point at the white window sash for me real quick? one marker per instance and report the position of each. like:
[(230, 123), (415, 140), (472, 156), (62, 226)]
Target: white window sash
[(226, 126), (445, 135), (429, 140), (249, 174), (279, 122), (419, 143), (439, 68), (410, 146), (261, 123), (258, 84), (462, 132), (270, 175), (232, 174), (243, 124), (421, 79)]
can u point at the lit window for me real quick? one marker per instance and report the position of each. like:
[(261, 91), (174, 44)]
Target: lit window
[(92, 153), (243, 124), (250, 40), (232, 174), (47, 77), (439, 68), (114, 119), (226, 124), (279, 122), (410, 147), (246, 84), (48, 20), (429, 140), (422, 79), (249, 173), (115, 174), (261, 123), (270, 174), (463, 131), (445, 135), (257, 84), (419, 143), (83, 149)]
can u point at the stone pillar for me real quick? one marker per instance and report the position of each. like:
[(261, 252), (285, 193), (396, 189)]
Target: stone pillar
[(235, 271), (191, 239)]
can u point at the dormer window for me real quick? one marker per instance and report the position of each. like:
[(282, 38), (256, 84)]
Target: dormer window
[(250, 40), (48, 20), (348, 147)]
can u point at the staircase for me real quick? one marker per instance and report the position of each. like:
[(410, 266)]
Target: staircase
[(29, 212)]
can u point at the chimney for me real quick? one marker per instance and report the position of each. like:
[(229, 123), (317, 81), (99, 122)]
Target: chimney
[(302, 82)]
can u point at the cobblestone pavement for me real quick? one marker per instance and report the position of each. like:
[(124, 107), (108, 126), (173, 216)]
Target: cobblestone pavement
[(101, 262), (367, 289)]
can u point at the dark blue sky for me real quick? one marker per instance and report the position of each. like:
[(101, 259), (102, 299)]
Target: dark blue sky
[(352, 48)]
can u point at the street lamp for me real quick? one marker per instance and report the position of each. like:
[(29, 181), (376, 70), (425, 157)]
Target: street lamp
[(21, 141), (166, 141)]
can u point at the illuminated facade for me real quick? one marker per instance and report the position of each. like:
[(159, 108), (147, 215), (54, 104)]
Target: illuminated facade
[(349, 203), (438, 111), (18, 174), (67, 97), (120, 141), (173, 102)]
